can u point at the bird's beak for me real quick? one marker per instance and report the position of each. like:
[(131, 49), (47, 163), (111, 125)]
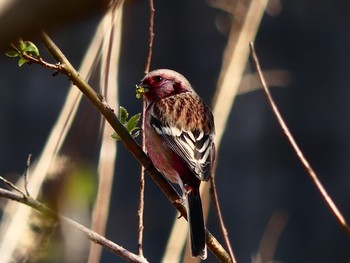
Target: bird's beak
[(141, 90)]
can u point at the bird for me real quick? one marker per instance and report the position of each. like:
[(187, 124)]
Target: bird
[(179, 137)]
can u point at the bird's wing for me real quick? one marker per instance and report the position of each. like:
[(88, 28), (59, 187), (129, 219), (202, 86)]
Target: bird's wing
[(194, 147)]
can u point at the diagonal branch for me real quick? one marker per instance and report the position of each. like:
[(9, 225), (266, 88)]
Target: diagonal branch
[(100, 103), (311, 173)]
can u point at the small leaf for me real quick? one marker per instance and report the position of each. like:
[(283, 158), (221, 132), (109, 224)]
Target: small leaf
[(115, 136), (21, 45), (131, 125), (22, 61), (12, 54), (31, 49), (123, 115)]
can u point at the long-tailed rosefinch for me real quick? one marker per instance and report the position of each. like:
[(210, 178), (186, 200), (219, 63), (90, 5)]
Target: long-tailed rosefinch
[(179, 132)]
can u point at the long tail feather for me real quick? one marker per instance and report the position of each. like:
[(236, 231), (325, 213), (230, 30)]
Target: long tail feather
[(196, 222)]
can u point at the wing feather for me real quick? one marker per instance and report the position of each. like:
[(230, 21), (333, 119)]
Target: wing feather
[(194, 147)]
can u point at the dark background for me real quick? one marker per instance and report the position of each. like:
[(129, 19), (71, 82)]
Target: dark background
[(258, 174)]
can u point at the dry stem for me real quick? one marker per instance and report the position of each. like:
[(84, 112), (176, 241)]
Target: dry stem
[(311, 173)]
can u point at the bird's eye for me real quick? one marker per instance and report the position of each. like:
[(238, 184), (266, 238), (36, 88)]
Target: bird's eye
[(158, 78)]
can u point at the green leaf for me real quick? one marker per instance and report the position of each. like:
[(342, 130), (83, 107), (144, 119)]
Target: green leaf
[(12, 54), (31, 49), (115, 136), (21, 45), (22, 49), (123, 115), (131, 124), (22, 61)]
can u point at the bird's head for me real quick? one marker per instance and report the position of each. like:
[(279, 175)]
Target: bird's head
[(162, 83)]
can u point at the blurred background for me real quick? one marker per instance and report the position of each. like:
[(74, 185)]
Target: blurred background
[(259, 178)]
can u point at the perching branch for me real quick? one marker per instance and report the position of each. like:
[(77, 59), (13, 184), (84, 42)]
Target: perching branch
[(311, 173), (64, 67)]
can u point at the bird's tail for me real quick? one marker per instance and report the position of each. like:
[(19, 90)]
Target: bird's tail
[(196, 223)]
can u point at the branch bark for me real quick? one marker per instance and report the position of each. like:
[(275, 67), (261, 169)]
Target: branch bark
[(91, 235)]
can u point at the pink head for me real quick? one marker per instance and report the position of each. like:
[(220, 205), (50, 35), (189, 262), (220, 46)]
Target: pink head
[(162, 83)]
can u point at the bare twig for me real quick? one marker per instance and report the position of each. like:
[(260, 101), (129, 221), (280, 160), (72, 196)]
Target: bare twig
[(142, 175), (223, 229), (12, 186), (39, 60), (140, 213), (151, 36), (91, 235), (311, 173), (26, 174)]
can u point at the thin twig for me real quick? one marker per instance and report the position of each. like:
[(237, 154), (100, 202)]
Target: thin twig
[(224, 232), (40, 61), (12, 186), (91, 235), (151, 36), (140, 212), (26, 174), (311, 173)]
